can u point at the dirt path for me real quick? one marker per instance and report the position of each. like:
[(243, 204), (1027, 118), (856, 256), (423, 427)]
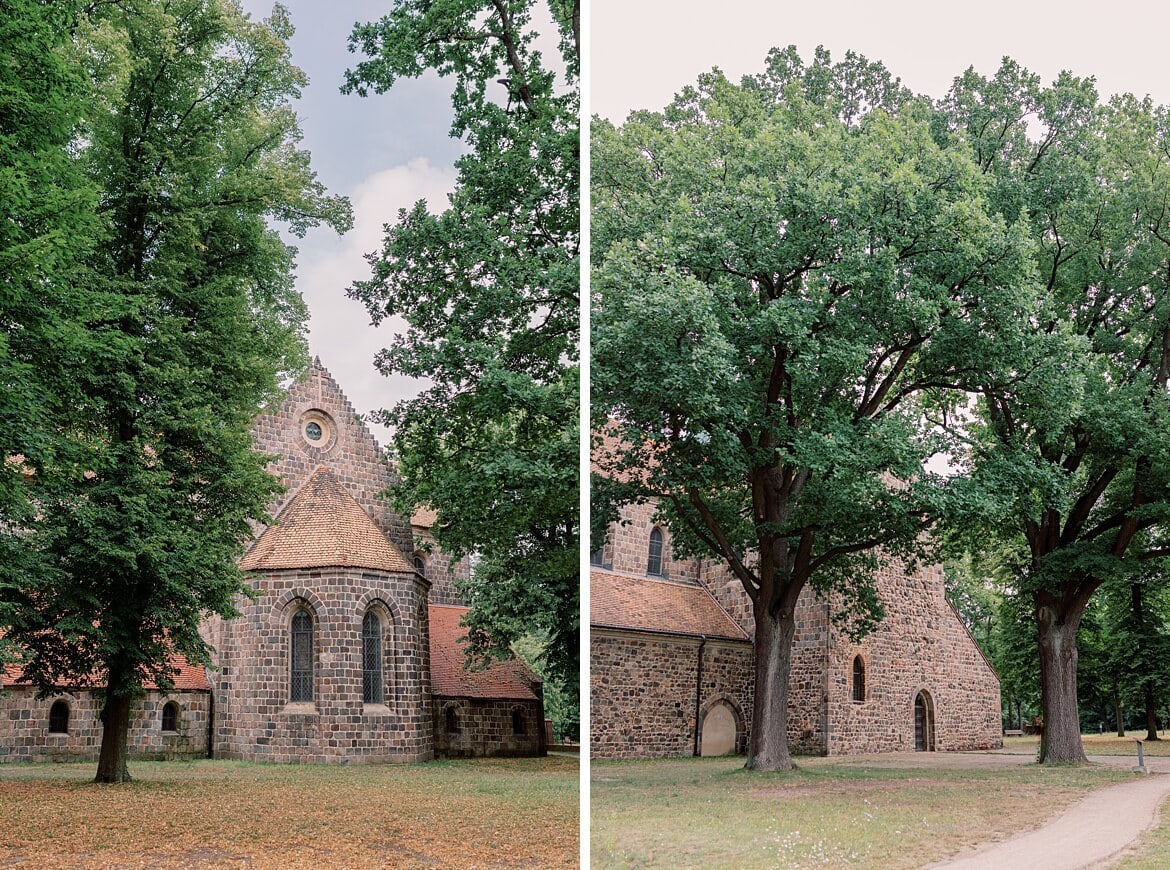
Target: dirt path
[(1087, 834)]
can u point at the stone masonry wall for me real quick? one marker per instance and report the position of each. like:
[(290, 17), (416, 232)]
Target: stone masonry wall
[(921, 645), (486, 728), (441, 570), (24, 726), (642, 690), (349, 449), (256, 719), (628, 546)]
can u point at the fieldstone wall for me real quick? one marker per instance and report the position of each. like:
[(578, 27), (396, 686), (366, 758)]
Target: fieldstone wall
[(347, 447), (441, 570), (24, 726), (643, 686), (628, 546), (487, 728), (255, 718), (921, 646)]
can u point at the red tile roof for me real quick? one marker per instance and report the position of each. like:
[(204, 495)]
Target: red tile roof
[(646, 604), (324, 526), (187, 677), (509, 680)]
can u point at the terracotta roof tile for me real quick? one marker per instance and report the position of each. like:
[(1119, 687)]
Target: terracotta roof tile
[(187, 677), (642, 603), (510, 680), (324, 526)]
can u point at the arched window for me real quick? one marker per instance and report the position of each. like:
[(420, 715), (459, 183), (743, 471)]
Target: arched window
[(301, 659), (597, 557), (59, 718), (170, 716), (420, 564), (654, 562), (372, 658), (451, 720), (517, 721), (858, 679)]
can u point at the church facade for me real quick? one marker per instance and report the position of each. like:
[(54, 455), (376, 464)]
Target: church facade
[(672, 663), (349, 652)]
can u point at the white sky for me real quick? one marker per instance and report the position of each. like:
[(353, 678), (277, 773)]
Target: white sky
[(644, 51)]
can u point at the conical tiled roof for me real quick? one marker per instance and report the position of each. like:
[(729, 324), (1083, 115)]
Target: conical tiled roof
[(324, 526)]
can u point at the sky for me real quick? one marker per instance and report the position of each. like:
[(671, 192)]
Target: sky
[(385, 152), (645, 51)]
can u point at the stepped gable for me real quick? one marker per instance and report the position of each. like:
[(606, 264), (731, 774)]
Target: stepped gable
[(645, 604), (324, 526), (507, 680)]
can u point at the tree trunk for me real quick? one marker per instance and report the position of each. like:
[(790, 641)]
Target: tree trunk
[(115, 740), (1117, 719), (1151, 715), (768, 748), (1060, 741)]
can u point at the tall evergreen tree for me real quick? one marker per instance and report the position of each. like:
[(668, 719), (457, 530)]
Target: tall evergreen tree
[(490, 292), (192, 147)]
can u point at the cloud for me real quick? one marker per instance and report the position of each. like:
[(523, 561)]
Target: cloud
[(340, 330)]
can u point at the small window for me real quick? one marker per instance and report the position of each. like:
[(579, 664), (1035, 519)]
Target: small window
[(420, 564), (858, 679), (654, 562), (301, 637), (597, 557), (59, 718), (372, 658), (170, 716), (517, 721), (451, 720)]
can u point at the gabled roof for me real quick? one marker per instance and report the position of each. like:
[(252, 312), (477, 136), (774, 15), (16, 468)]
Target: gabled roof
[(647, 604), (508, 680), (324, 526), (187, 677)]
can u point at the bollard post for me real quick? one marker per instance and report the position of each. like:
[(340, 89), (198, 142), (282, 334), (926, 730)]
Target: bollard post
[(1141, 757)]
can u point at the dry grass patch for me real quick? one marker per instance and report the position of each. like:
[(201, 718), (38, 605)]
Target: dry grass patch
[(1098, 744), (476, 813), (692, 812)]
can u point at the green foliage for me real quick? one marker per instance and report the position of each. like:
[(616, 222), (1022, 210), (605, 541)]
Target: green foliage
[(190, 325), (489, 290), (561, 706)]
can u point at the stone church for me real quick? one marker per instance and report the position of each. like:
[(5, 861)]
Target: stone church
[(351, 650), (672, 673)]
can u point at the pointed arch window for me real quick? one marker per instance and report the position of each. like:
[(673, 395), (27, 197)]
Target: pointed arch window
[(451, 720), (59, 718), (420, 564), (372, 659), (858, 679), (301, 646), (170, 716), (654, 558)]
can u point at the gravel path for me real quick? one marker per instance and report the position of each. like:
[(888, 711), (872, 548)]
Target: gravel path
[(1087, 834)]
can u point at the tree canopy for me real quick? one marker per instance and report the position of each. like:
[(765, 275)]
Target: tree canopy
[(191, 145), (489, 289), (788, 272)]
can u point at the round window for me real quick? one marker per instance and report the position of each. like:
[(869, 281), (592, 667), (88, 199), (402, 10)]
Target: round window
[(313, 430), (317, 430)]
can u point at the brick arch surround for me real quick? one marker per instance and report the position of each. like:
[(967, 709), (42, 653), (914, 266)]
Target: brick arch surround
[(732, 703)]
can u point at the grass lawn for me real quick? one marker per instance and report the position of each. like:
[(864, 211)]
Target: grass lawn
[(473, 813), (867, 812)]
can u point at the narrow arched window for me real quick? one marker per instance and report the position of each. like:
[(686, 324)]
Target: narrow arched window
[(420, 564), (654, 562), (451, 720), (597, 557), (858, 679), (59, 718), (372, 658), (170, 716), (517, 720), (301, 646)]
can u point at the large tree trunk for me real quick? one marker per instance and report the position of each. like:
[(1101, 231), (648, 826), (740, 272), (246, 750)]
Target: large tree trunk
[(1151, 715), (1118, 719), (115, 740), (1057, 623), (768, 748)]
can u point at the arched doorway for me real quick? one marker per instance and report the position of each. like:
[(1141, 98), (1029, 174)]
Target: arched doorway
[(718, 733), (923, 722)]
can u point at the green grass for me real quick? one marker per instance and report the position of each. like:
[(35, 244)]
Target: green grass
[(487, 812), (860, 813)]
